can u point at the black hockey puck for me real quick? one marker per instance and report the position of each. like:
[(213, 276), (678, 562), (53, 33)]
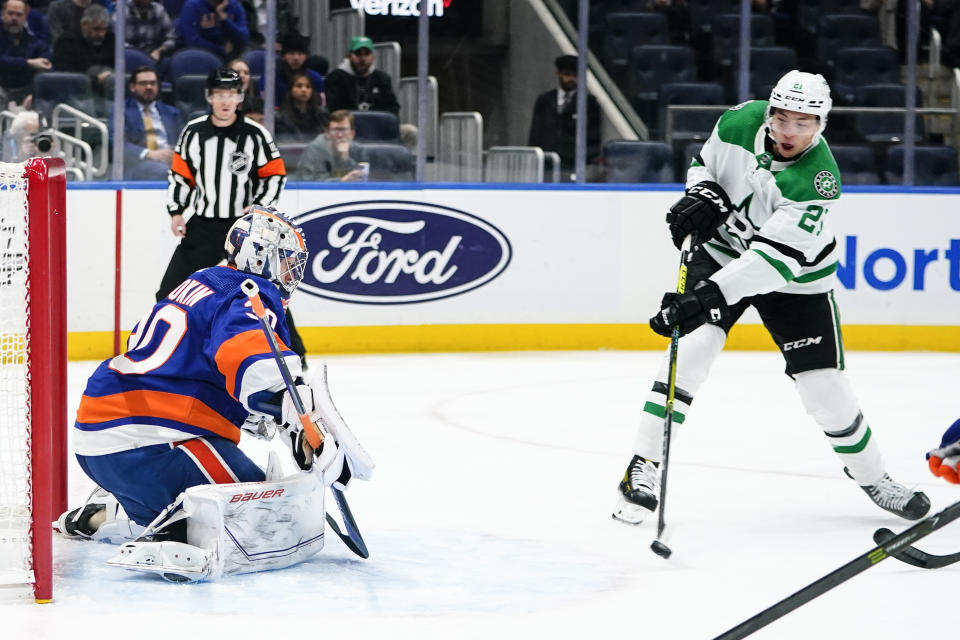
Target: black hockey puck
[(660, 549)]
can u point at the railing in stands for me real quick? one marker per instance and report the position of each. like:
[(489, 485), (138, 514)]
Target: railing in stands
[(63, 118), (620, 102)]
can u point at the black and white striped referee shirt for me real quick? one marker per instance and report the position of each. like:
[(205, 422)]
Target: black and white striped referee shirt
[(218, 171)]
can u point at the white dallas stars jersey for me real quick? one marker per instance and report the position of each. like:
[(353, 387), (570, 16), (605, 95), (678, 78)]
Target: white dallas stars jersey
[(778, 238)]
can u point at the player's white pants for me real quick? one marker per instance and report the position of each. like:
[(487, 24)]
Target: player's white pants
[(829, 399), (826, 394), (695, 356)]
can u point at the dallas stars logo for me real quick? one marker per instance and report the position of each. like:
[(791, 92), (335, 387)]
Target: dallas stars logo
[(826, 184)]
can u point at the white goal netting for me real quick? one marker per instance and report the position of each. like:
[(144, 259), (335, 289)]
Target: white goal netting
[(16, 565)]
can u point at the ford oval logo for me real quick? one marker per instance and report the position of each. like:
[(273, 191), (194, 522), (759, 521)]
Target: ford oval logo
[(394, 252)]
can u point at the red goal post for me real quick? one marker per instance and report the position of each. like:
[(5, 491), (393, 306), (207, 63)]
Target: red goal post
[(33, 370)]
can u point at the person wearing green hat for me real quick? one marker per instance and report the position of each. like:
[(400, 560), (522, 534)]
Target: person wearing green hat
[(357, 85)]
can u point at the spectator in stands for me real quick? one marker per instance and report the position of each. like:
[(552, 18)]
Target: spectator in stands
[(554, 124), (256, 10), (219, 26), (302, 115), (357, 85), (25, 137), (37, 23), (63, 16), (149, 28), (252, 105), (293, 56), (151, 127), (91, 52), (21, 55), (333, 156), (173, 7)]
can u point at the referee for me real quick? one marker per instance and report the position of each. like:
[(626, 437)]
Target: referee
[(222, 164)]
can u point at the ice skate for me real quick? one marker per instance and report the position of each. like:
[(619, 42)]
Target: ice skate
[(638, 491), (896, 498), (173, 561), (84, 521), (100, 518)]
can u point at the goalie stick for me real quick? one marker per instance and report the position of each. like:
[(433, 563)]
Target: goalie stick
[(351, 537), (657, 546), (916, 557), (838, 576)]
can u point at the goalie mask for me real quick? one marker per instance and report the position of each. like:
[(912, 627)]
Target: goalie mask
[(801, 92), (266, 243)]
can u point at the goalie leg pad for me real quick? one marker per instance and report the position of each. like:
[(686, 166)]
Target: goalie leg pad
[(240, 528)]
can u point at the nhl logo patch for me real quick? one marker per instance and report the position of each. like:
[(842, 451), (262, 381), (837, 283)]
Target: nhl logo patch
[(826, 184), (239, 162)]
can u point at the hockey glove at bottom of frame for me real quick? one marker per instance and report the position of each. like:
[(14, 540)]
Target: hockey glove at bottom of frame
[(945, 459)]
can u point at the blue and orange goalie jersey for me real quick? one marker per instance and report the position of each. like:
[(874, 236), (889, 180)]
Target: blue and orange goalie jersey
[(193, 367)]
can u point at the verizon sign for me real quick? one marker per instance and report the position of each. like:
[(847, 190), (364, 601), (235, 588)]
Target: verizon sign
[(399, 7)]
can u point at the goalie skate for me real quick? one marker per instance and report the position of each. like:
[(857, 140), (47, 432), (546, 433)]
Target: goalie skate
[(101, 518), (638, 491), (173, 561)]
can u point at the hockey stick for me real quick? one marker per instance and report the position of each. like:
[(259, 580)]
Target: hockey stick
[(252, 291), (352, 537), (916, 557), (313, 435), (657, 545), (891, 547)]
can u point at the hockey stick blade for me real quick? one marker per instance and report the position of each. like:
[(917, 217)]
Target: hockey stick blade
[(840, 575), (352, 537), (913, 556)]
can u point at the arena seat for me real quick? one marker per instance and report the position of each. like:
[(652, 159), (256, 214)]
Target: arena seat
[(934, 166), (640, 162)]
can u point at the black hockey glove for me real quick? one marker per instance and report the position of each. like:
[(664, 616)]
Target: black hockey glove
[(701, 210), (690, 310)]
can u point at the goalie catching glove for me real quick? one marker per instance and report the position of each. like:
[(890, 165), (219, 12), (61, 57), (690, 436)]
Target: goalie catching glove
[(341, 457), (944, 460), (689, 310), (700, 211)]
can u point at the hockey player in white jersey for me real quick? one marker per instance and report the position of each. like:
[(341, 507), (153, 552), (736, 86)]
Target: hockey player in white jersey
[(758, 203)]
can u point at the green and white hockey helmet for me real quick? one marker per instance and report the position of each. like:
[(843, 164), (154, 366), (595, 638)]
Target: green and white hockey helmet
[(802, 92)]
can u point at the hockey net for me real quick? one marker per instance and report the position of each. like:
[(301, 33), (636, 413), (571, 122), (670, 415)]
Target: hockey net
[(32, 371)]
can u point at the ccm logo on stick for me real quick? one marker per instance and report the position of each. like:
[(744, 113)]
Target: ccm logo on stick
[(256, 495), (398, 252)]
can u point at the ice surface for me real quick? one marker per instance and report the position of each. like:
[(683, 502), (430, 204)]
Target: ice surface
[(488, 515)]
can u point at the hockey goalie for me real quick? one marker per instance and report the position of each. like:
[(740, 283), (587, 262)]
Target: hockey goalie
[(158, 426)]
